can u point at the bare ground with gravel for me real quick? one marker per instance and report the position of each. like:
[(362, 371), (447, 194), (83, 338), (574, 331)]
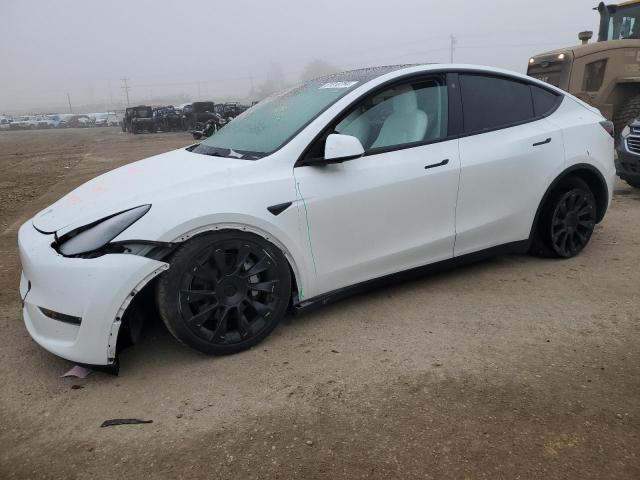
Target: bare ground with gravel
[(517, 367)]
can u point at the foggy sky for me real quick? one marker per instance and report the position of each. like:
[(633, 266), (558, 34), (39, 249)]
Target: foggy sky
[(84, 47)]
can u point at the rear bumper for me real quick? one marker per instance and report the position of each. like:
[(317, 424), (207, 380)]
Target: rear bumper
[(627, 163), (95, 290)]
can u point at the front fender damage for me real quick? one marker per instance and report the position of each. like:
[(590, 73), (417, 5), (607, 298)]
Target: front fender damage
[(117, 321)]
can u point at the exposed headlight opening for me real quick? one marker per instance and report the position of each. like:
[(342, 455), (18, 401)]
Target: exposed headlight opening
[(98, 234)]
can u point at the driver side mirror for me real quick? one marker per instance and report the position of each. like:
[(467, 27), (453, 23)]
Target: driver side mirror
[(339, 148)]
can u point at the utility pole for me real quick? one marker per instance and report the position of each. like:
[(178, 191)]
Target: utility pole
[(126, 89), (452, 47), (69, 100)]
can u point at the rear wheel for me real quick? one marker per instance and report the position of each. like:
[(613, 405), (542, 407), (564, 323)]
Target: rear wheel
[(224, 292), (567, 221)]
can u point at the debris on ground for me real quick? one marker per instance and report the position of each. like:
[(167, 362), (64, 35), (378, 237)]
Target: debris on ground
[(123, 421), (77, 371)]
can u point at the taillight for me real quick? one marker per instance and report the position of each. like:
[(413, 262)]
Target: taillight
[(608, 126)]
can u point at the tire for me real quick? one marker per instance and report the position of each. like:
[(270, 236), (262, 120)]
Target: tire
[(567, 220), (625, 114), (225, 292)]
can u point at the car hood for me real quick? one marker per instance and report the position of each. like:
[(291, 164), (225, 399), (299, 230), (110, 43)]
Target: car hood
[(136, 184)]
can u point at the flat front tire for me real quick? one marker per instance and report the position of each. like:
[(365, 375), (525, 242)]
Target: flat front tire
[(225, 292)]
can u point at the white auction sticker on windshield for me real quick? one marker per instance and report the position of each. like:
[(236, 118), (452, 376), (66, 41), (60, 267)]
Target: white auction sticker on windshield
[(338, 85)]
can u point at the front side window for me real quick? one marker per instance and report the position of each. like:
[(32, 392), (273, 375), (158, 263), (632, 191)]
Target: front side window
[(491, 102), (410, 113)]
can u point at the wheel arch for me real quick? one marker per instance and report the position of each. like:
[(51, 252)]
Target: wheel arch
[(592, 177), (296, 265)]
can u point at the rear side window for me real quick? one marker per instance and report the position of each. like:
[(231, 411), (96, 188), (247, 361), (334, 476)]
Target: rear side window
[(490, 102), (544, 101)]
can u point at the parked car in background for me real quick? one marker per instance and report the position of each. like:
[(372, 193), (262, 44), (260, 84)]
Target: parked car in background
[(98, 119), (113, 119), (79, 121), (230, 110), (395, 169), (628, 161), (106, 119), (27, 122), (195, 115), (167, 119), (20, 122), (63, 119), (139, 119), (57, 120), (5, 122)]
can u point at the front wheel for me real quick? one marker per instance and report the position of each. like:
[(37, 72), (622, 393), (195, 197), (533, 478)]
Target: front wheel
[(567, 221), (225, 292)]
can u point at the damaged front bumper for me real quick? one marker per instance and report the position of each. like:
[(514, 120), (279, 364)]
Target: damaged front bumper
[(73, 307)]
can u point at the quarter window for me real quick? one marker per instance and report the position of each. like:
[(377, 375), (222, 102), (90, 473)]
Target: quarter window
[(490, 102), (544, 101)]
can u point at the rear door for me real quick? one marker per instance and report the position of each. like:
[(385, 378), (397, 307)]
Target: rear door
[(509, 154)]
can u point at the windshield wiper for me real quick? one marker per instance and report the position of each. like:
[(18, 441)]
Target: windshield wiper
[(227, 152)]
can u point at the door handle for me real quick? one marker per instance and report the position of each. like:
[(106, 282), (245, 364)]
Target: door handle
[(548, 140), (439, 164)]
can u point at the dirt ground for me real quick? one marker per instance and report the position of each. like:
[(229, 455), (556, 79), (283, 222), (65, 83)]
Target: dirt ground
[(513, 368)]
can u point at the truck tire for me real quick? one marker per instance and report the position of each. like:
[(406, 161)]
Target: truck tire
[(633, 183), (626, 113)]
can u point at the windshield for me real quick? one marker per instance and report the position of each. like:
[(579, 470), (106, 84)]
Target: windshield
[(623, 24), (274, 121)]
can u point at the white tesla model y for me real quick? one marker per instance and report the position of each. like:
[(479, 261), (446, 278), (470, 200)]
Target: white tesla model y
[(314, 191)]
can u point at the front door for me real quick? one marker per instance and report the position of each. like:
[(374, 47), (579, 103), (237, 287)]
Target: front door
[(393, 208)]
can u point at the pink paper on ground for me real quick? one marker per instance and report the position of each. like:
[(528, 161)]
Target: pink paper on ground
[(77, 371)]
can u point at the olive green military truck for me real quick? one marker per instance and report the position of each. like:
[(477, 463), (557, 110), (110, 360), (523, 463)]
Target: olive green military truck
[(606, 73)]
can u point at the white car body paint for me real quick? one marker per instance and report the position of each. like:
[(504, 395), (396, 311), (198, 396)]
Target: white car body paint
[(348, 223)]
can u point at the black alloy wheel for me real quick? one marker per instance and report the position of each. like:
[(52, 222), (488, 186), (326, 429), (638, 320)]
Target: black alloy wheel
[(573, 221), (224, 292), (568, 218)]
